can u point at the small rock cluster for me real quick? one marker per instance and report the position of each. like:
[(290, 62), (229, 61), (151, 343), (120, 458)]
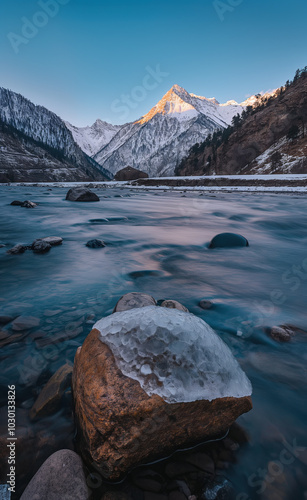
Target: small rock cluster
[(41, 245), (25, 204)]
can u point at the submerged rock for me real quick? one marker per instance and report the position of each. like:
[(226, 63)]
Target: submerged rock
[(60, 477), (81, 194), (173, 304), (25, 323), (228, 240), (50, 397), (139, 377), (95, 244), (134, 300)]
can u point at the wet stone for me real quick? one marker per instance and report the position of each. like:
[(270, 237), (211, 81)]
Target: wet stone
[(17, 203), (217, 489), (134, 300), (29, 204), (17, 249), (205, 304), (49, 398), (280, 333), (174, 304), (95, 244), (228, 240), (40, 246)]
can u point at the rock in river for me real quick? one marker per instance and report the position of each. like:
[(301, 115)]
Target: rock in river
[(174, 304), (17, 249), (60, 477), (29, 204), (50, 396), (81, 194), (133, 300), (53, 240), (40, 246), (228, 240), (139, 377), (95, 244)]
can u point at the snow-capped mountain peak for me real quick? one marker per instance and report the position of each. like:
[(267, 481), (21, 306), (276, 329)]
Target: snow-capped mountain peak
[(92, 138)]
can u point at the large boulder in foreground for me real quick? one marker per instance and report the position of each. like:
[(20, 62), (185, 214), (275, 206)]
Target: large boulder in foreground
[(151, 380), (81, 193), (130, 174)]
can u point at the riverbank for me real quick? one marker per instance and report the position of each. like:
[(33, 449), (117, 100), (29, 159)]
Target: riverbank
[(254, 183)]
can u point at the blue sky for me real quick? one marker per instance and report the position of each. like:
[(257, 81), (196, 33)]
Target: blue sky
[(88, 59)]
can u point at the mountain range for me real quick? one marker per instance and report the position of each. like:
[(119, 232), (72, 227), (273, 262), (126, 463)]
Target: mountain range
[(37, 145), (269, 138), (157, 142)]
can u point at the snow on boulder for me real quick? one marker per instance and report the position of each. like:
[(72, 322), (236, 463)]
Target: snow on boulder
[(150, 381), (173, 354)]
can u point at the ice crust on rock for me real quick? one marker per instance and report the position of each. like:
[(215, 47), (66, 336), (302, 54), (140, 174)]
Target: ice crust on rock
[(173, 354)]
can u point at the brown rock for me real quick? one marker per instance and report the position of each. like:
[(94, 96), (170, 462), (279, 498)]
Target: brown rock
[(134, 300), (280, 334), (173, 304), (130, 174), (49, 398), (121, 426)]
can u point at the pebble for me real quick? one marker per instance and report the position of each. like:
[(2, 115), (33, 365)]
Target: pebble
[(280, 333), (205, 304)]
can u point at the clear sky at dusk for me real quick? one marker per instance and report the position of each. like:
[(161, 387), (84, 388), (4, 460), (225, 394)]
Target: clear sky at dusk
[(88, 59)]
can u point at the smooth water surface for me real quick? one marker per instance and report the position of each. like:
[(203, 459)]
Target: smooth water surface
[(157, 243)]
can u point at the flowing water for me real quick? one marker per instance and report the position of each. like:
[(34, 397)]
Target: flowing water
[(157, 243)]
